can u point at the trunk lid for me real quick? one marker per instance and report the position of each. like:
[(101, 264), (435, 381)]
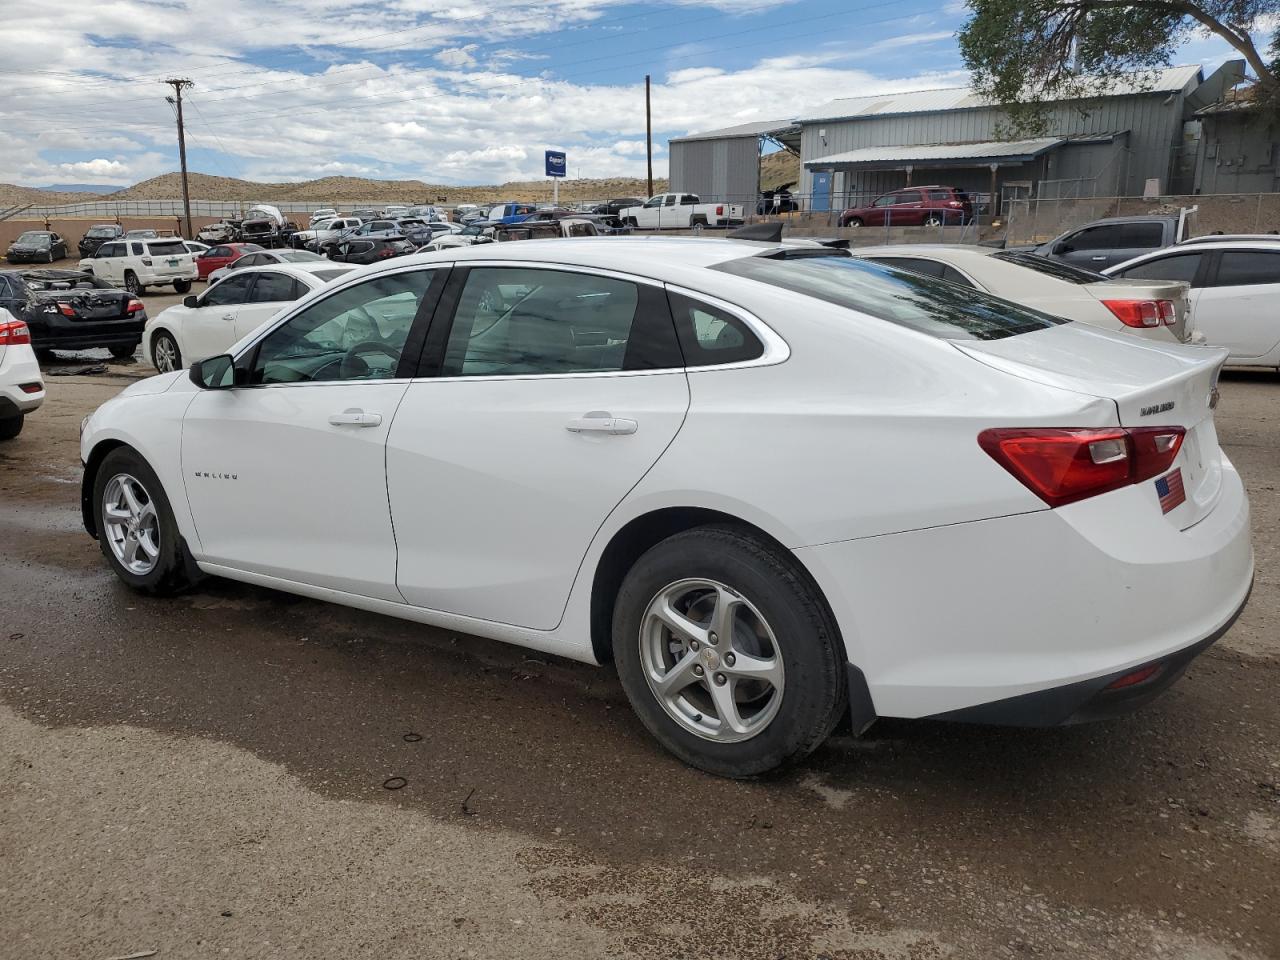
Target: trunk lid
[(1176, 290), (1152, 384)]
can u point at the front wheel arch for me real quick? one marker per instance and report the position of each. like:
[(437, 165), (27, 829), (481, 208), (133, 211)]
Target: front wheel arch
[(91, 467)]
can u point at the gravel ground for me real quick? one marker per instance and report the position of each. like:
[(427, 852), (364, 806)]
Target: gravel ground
[(205, 777)]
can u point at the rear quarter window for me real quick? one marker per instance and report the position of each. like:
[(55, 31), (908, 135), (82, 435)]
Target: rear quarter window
[(921, 303)]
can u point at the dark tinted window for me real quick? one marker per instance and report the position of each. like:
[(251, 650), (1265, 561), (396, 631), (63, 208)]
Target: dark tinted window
[(272, 287), (1248, 267), (166, 248), (898, 296), (229, 291), (1053, 268), (1181, 266), (930, 268), (1118, 236), (513, 321), (710, 336), (110, 250), (136, 249), (327, 275), (940, 195), (909, 196)]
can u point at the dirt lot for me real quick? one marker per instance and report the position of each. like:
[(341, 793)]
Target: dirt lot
[(205, 777)]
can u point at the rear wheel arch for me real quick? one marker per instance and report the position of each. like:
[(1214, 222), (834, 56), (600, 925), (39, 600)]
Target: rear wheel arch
[(631, 541)]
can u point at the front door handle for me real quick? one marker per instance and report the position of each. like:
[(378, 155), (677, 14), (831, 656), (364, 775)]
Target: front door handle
[(1098, 258), (355, 417), (598, 421), (229, 316)]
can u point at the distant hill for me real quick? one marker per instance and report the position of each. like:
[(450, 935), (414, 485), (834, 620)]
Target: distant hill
[(77, 188), (777, 169)]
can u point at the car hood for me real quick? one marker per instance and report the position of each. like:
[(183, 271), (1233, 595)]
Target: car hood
[(153, 385)]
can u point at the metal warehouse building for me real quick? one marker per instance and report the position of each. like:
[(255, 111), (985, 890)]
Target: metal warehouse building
[(725, 164), (855, 148)]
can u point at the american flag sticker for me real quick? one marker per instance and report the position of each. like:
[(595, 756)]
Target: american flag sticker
[(1170, 490)]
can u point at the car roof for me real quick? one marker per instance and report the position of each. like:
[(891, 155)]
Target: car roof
[(300, 270), (1231, 238), (943, 251)]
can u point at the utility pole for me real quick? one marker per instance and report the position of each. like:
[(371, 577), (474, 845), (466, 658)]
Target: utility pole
[(648, 132), (176, 99)]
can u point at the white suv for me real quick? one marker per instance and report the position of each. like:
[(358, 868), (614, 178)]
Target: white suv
[(138, 264), (21, 389)]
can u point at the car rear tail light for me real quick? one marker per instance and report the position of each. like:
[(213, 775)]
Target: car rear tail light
[(133, 306), (1135, 313), (30, 387), (67, 309), (14, 332), (954, 203), (146, 261), (1061, 465), (720, 211), (1167, 313)]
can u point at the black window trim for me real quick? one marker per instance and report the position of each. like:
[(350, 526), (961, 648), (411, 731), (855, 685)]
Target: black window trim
[(1206, 269), (437, 335), (1208, 277)]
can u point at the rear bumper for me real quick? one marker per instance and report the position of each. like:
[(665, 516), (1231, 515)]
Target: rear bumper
[(1033, 615), (58, 333), (19, 367)]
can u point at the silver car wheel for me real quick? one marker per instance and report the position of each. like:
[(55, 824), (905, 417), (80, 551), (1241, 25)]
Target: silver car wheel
[(131, 524), (165, 354), (711, 660)]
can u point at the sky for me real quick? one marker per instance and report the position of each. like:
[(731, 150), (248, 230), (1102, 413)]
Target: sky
[(446, 91)]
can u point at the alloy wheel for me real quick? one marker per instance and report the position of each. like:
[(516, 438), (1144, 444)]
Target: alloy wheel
[(166, 354), (131, 524), (711, 660)]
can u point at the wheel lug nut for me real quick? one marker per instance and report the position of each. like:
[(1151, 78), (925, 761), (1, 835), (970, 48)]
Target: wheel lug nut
[(730, 659), (694, 645), (721, 680), (697, 670), (712, 639)]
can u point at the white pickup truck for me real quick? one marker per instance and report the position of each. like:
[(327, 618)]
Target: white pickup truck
[(680, 211)]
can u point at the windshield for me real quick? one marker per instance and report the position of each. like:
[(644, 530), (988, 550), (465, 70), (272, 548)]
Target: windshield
[(924, 304), (472, 231), (96, 232), (33, 236), (1052, 268)]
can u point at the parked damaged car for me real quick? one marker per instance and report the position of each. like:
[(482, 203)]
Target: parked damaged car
[(266, 226), (69, 310), (223, 231), (366, 250), (97, 235)]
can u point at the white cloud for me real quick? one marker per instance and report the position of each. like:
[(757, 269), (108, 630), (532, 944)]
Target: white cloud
[(97, 168)]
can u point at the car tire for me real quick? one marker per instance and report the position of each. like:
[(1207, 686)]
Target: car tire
[(171, 569), (132, 285), (165, 353), (633, 223), (122, 351), (779, 622), (10, 427), (933, 221), (181, 286), (45, 356), (853, 222), (50, 257)]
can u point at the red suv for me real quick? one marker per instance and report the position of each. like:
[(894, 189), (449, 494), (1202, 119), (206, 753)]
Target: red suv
[(912, 207)]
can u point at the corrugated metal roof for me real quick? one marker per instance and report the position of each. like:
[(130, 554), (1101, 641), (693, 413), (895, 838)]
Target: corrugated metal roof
[(760, 128), (990, 150), (961, 98)]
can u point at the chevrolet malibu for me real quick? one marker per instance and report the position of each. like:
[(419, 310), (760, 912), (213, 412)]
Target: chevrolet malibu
[(776, 487)]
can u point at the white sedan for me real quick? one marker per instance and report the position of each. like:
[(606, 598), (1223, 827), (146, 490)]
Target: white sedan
[(1235, 292), (21, 386), (776, 487), (1157, 309), (207, 325)]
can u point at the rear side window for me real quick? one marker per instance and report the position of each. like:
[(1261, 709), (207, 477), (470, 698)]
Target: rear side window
[(710, 336), (1181, 266), (136, 249), (899, 296), (513, 321), (939, 194), (1239, 268), (930, 268)]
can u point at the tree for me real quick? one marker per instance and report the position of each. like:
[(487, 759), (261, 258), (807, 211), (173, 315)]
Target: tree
[(1023, 54)]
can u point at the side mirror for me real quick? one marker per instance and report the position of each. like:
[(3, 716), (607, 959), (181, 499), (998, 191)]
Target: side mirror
[(191, 301), (215, 373)]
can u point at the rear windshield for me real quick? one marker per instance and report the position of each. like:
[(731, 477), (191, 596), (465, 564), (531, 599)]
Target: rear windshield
[(297, 256), (326, 275), (922, 303), (167, 248), (1053, 268)]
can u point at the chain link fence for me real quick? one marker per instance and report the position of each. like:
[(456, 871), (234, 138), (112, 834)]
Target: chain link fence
[(1043, 218)]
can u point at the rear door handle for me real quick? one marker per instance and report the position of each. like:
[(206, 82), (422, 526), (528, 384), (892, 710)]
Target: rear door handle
[(600, 422), (1097, 258), (228, 316), (355, 417)]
